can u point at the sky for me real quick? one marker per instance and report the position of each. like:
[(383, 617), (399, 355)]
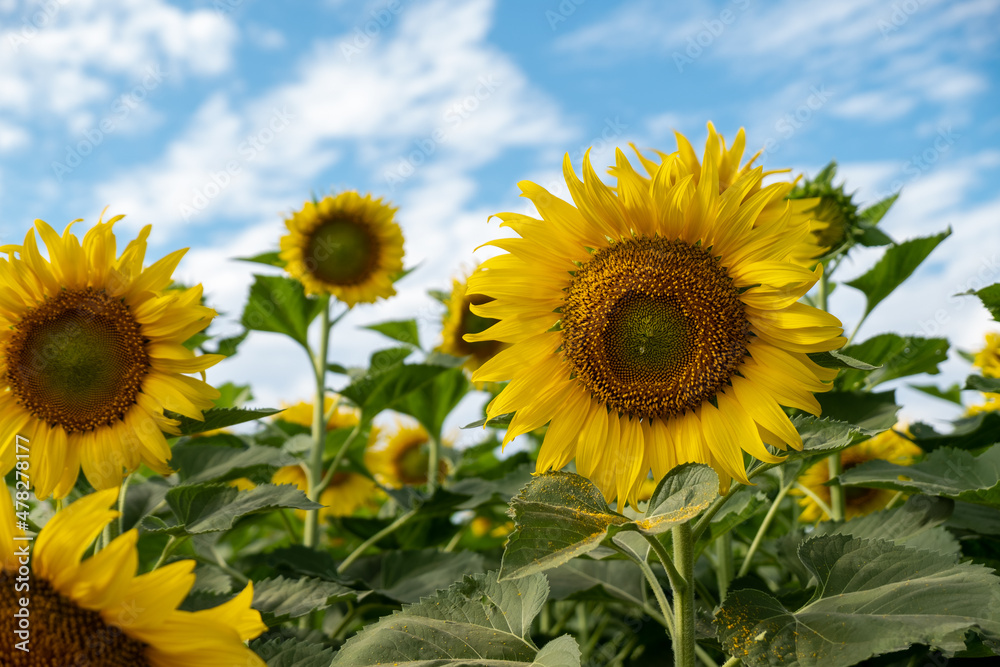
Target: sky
[(215, 119)]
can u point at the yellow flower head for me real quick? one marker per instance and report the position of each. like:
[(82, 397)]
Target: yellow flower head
[(888, 446), (98, 612), (988, 358), (400, 456), (991, 404), (348, 246), (459, 320), (92, 355), (347, 492), (655, 322), (338, 415)]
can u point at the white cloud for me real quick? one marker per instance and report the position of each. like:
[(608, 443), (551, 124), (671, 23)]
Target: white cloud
[(874, 106)]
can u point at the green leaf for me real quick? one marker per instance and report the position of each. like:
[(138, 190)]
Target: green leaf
[(206, 508), (557, 516), (952, 473), (990, 296), (834, 359), (825, 436), (292, 652), (484, 491), (897, 356), (917, 524), (405, 331), (435, 400), (876, 411), (280, 305), (603, 580), (142, 497), (233, 395), (268, 258), (874, 213), (280, 599), (952, 394), (681, 495), (381, 391), (477, 621), (984, 384), (873, 597), (974, 432), (408, 576), (744, 505), (227, 346), (496, 422), (204, 462), (896, 265), (220, 418), (383, 360)]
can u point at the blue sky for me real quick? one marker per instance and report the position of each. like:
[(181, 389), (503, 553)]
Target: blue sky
[(212, 120)]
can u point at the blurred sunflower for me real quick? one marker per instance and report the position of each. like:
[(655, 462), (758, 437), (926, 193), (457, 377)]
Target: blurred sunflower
[(887, 446), (988, 358), (655, 322), (482, 526), (348, 246), (460, 320), (347, 492), (98, 612), (400, 456), (92, 355), (338, 414)]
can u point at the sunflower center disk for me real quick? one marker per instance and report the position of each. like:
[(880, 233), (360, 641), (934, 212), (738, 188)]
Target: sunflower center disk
[(63, 633), (653, 327), (412, 464), (342, 252), (77, 360)]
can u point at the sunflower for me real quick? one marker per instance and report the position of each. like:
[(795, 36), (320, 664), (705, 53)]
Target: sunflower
[(655, 322), (991, 404), (92, 355), (988, 358), (399, 456), (347, 246), (347, 492), (460, 320), (98, 612), (887, 446), (338, 415)]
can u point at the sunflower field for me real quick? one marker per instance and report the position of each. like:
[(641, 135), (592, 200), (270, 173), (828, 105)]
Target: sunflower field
[(684, 458)]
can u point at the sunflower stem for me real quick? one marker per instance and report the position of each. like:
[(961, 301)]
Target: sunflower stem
[(121, 504), (838, 502), (764, 525), (732, 662), (676, 580), (815, 498), (391, 528), (666, 610), (684, 644), (433, 463), (289, 527), (315, 468), (339, 457)]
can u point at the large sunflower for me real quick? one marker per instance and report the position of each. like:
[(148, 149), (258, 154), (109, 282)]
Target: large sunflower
[(459, 320), (655, 322), (347, 492), (347, 246), (92, 355), (98, 612), (887, 446)]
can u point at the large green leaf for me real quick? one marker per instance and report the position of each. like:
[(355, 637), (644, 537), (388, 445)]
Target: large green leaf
[(872, 597), (897, 356), (280, 305), (381, 391), (990, 296), (220, 418), (408, 576), (291, 652), (608, 579), (272, 258), (825, 436), (896, 265), (280, 599), (561, 515), (204, 462), (477, 621), (870, 410), (835, 359), (974, 432), (206, 508), (984, 384), (952, 473), (435, 400)]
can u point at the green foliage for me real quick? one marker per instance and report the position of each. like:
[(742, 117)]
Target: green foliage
[(871, 597), (476, 621), (280, 305), (990, 296), (220, 418), (405, 331), (206, 508), (280, 599), (900, 260), (896, 356)]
